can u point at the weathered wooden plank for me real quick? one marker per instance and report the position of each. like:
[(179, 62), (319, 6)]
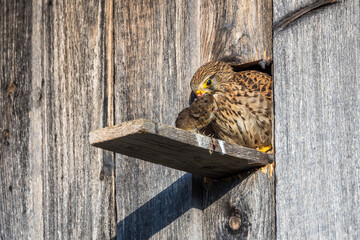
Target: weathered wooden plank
[(156, 53), (298, 13), (62, 191), (78, 180), (250, 199), (159, 46), (53, 184), (317, 127), (15, 105), (236, 28), (242, 29), (179, 149)]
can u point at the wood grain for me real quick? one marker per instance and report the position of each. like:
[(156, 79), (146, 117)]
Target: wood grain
[(286, 20), (250, 197), (15, 105), (157, 52), (236, 28), (179, 149), (79, 202), (54, 185), (317, 128), (242, 29), (159, 46), (56, 86)]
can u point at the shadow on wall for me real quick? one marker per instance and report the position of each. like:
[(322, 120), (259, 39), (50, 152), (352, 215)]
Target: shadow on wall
[(185, 193)]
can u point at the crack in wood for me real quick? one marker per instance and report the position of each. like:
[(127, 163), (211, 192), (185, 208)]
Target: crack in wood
[(285, 21)]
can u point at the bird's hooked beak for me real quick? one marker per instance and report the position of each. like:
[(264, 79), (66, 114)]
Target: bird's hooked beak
[(192, 98), (200, 93)]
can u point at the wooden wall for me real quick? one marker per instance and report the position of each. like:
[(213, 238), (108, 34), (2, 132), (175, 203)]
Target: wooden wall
[(158, 47), (15, 106), (317, 128), (54, 185), (68, 67)]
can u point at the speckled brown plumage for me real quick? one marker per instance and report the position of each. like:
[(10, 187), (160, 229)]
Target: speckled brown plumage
[(243, 100), (198, 115)]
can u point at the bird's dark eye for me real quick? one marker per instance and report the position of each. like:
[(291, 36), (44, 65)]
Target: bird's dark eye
[(209, 82), (206, 101)]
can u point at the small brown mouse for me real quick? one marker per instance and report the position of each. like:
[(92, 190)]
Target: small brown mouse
[(198, 115)]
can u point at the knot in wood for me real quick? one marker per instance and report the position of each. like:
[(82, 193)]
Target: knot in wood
[(102, 176), (6, 133), (235, 223), (11, 88)]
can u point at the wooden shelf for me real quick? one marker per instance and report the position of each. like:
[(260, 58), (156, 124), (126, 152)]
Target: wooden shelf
[(177, 148)]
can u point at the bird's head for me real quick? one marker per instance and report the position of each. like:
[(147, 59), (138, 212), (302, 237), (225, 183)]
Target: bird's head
[(210, 77)]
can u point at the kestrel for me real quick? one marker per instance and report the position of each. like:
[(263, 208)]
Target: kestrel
[(198, 115), (244, 103)]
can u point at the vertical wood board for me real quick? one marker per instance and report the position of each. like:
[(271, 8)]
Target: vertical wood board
[(54, 91), (242, 29), (15, 105), (317, 127), (157, 51), (159, 46), (54, 185), (78, 178)]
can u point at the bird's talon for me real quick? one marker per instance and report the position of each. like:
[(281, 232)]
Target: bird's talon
[(264, 149)]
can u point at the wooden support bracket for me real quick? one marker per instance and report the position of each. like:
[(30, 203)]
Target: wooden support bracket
[(177, 148)]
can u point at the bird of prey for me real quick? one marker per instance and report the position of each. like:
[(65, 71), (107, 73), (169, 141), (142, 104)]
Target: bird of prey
[(243, 102), (198, 115)]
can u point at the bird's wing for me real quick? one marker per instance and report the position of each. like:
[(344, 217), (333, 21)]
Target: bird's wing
[(243, 116), (255, 81)]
